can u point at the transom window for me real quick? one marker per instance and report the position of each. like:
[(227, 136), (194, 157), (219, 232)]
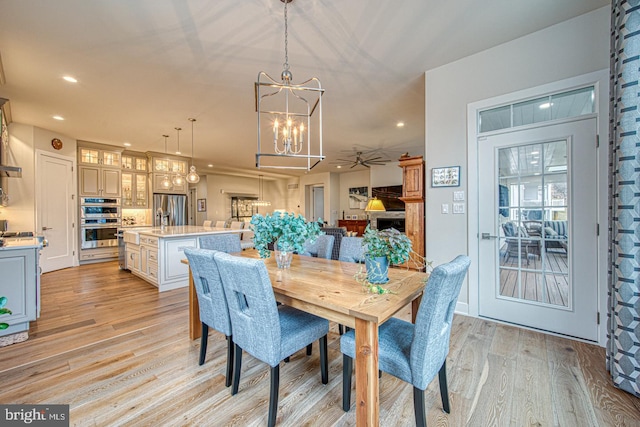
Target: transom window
[(556, 106)]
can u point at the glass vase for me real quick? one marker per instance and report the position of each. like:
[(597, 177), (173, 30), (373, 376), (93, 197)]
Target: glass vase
[(283, 258)]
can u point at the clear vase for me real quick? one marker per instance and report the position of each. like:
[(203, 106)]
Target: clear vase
[(283, 258)]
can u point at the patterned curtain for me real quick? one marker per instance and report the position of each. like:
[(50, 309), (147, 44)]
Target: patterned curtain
[(623, 319)]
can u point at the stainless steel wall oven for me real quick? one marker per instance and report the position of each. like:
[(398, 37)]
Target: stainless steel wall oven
[(100, 219)]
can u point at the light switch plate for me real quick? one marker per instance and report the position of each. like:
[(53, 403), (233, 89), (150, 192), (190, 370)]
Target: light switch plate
[(458, 208), (445, 208), (458, 196)]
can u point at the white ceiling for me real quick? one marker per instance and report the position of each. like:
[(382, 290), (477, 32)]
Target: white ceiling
[(145, 66)]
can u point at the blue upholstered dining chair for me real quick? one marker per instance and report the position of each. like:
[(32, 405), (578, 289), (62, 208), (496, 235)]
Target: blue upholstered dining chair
[(228, 242), (213, 305), (268, 332), (320, 248), (351, 249), (415, 353)]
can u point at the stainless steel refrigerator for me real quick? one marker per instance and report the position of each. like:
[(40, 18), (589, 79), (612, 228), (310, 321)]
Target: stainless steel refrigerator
[(169, 210)]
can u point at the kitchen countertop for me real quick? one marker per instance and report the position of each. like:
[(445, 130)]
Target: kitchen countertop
[(184, 230), (20, 243)]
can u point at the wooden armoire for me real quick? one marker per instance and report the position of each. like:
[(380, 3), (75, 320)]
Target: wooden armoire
[(413, 198)]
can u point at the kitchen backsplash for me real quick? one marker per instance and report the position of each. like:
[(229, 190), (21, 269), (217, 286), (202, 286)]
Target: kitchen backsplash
[(136, 217)]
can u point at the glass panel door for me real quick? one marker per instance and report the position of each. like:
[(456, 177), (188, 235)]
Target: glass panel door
[(533, 221)]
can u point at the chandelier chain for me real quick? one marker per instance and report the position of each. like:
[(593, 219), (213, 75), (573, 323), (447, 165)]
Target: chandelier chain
[(286, 38)]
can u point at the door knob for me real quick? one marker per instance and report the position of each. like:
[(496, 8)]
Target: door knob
[(46, 228), (487, 236)]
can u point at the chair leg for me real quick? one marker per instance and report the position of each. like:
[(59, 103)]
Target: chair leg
[(324, 362), (227, 381), (347, 368), (418, 407), (273, 398), (237, 366), (286, 359), (203, 342), (444, 391), (340, 329), (309, 349)]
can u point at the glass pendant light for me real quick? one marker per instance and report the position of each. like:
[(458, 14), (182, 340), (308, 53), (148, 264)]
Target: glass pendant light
[(178, 179), (192, 177), (166, 180), (261, 202)]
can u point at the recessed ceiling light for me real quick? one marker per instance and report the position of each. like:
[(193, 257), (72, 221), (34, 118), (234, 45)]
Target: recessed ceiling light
[(210, 166), (535, 152), (126, 144), (58, 117), (545, 105), (400, 124), (178, 152), (70, 79), (339, 167), (534, 162)]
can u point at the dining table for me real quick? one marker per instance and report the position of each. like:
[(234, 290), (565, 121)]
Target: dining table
[(329, 289)]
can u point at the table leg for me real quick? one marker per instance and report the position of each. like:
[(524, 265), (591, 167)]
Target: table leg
[(415, 306), (195, 329), (367, 391)]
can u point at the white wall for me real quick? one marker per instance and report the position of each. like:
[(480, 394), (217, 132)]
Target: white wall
[(571, 48), (23, 141), (350, 180)]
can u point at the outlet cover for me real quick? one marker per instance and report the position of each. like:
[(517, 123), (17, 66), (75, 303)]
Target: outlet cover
[(458, 208), (458, 196)]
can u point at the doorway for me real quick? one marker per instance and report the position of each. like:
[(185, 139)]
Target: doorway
[(317, 205), (537, 219), (55, 210)]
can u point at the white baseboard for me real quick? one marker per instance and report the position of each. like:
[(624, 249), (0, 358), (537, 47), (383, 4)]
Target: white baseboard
[(462, 308)]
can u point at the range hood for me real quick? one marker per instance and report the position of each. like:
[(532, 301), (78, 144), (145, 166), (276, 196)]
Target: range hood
[(6, 171), (10, 171)]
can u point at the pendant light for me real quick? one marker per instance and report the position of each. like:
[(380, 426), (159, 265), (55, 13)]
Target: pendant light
[(166, 180), (261, 201), (178, 179), (192, 177), (285, 117)]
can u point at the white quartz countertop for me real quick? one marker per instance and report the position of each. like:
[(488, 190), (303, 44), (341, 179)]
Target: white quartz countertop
[(20, 243), (185, 230)]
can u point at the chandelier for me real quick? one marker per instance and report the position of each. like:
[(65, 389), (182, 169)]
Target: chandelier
[(178, 179), (166, 179), (286, 116), (192, 177), (261, 202)]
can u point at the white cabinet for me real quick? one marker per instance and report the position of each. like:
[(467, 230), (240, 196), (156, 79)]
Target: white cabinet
[(134, 163), (142, 259), (132, 257), (170, 188), (19, 283), (99, 181), (163, 170), (96, 156), (135, 193)]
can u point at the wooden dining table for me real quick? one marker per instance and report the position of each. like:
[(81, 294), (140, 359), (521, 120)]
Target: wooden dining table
[(328, 289)]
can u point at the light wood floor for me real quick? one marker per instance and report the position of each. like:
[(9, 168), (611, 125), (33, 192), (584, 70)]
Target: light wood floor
[(118, 352)]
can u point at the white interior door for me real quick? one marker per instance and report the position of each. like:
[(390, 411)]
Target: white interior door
[(538, 227), (55, 210), (318, 203)]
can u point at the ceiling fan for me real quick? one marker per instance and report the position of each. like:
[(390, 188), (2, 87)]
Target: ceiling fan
[(361, 161)]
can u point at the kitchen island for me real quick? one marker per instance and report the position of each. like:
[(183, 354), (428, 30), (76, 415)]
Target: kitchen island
[(154, 254), (20, 284)]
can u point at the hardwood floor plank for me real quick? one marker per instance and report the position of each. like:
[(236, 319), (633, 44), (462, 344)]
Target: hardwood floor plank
[(119, 353)]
